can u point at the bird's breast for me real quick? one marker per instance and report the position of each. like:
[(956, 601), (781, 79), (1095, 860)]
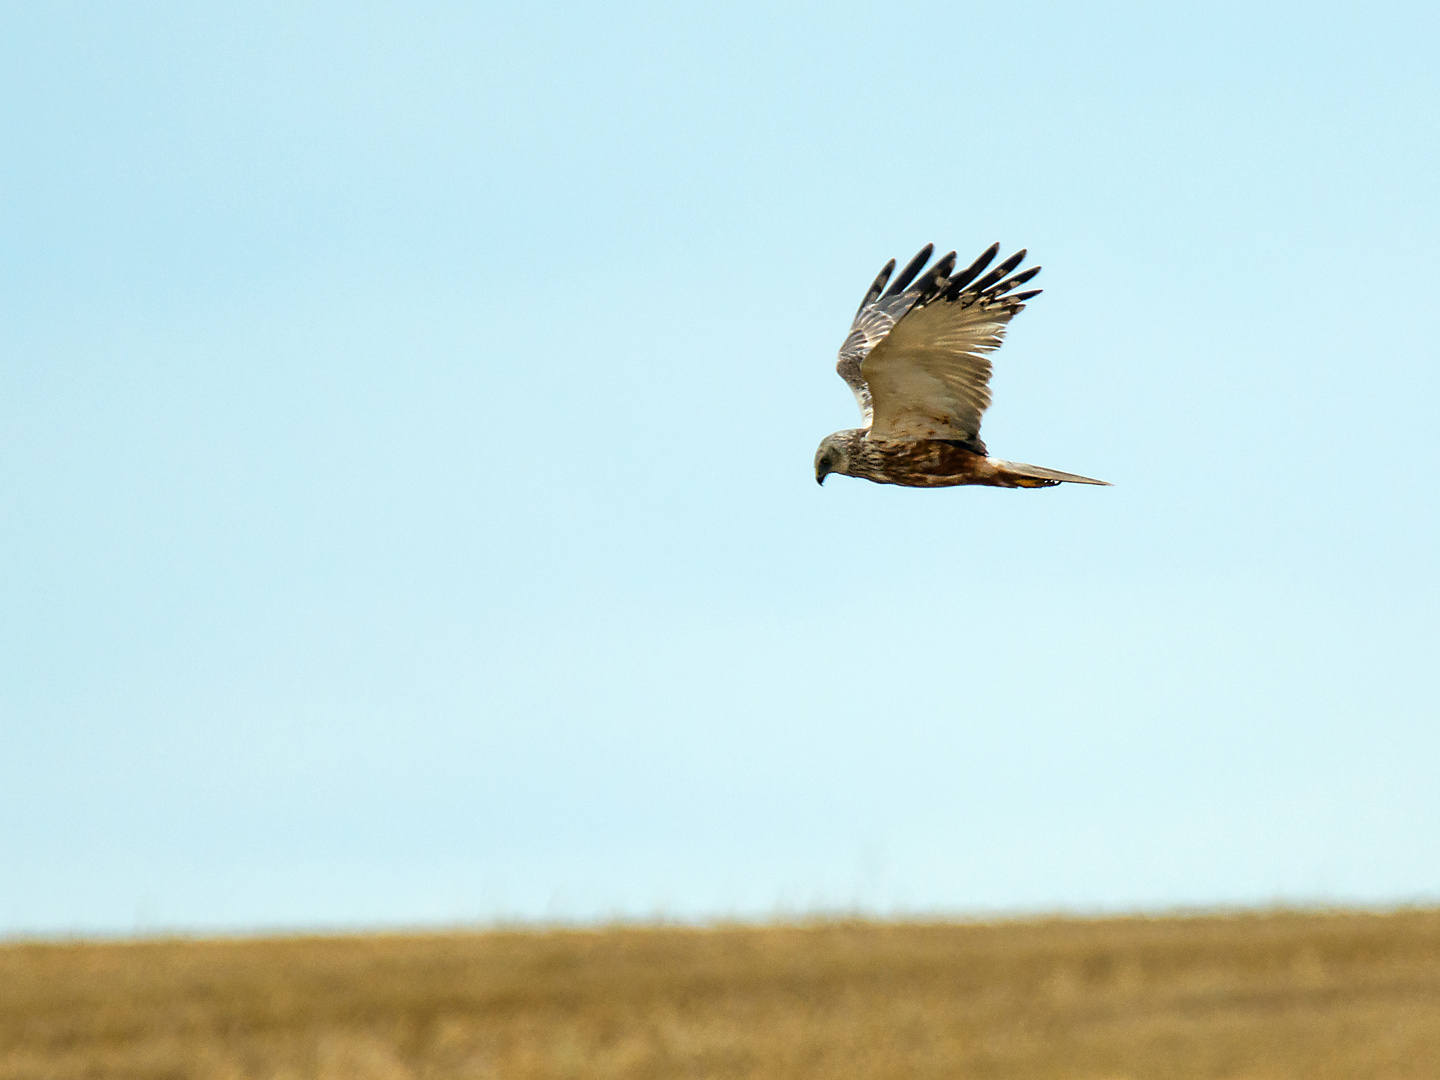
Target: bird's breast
[(923, 463)]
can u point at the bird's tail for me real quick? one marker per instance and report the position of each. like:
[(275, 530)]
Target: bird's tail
[(1031, 476)]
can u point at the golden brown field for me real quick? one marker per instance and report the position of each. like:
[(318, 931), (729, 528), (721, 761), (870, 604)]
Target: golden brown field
[(1252, 996)]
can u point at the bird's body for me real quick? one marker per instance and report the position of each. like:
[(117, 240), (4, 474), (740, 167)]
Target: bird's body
[(917, 359), (926, 463)]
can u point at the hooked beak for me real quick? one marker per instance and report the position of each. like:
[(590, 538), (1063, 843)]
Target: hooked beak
[(820, 478)]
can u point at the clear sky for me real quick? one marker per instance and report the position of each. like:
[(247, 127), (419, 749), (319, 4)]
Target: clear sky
[(406, 502)]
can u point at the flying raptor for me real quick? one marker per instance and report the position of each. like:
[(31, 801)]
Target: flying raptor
[(918, 361)]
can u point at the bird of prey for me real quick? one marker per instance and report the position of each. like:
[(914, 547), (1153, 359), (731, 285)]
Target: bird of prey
[(918, 361)]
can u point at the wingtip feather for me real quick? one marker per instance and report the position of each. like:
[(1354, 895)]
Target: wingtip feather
[(999, 272), (912, 268), (962, 279), (872, 293), (994, 292)]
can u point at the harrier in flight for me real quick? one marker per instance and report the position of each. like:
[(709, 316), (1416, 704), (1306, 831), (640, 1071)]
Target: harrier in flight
[(918, 361)]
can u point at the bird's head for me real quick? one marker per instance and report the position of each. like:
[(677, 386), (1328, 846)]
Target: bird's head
[(832, 456)]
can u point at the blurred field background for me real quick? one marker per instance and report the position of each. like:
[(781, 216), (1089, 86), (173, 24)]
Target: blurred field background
[(1236, 996)]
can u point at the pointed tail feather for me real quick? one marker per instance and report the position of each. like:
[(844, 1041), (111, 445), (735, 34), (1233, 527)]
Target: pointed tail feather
[(1043, 477)]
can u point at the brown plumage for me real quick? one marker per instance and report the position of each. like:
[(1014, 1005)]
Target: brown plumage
[(917, 359)]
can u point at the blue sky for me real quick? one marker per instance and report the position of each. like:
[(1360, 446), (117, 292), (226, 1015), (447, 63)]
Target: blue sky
[(406, 423)]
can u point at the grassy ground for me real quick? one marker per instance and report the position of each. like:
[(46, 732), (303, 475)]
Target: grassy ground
[(1285, 995)]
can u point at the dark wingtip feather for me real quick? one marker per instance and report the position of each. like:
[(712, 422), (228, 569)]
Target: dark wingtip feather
[(960, 280), (1020, 298), (936, 279), (876, 286), (1009, 283), (999, 272), (911, 269)]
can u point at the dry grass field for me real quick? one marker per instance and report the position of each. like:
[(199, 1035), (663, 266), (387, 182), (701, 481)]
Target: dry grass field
[(1253, 996)]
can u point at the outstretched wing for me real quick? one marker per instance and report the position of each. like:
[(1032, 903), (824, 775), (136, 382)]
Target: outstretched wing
[(917, 356)]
